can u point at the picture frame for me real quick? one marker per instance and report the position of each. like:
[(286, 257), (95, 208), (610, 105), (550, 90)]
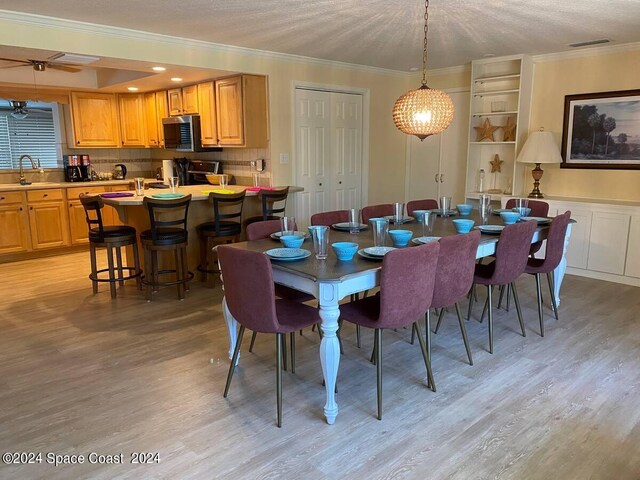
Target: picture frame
[(602, 130)]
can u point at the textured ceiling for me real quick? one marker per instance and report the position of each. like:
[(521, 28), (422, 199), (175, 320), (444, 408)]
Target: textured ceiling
[(381, 33)]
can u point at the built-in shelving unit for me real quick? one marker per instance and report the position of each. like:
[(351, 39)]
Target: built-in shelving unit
[(500, 92)]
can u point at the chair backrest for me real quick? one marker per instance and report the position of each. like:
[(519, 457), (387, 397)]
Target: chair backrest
[(167, 214), (426, 204), (329, 218), (555, 241), (374, 211), (406, 284), (92, 205), (512, 252), (456, 265), (260, 230), (248, 288), (231, 204), (269, 199), (538, 208)]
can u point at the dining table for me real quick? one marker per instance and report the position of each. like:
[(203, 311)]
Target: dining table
[(331, 280)]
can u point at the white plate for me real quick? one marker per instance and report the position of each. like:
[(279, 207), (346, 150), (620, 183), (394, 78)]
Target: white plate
[(297, 233), (344, 226), (540, 220), (287, 254), (363, 254), (494, 229), (378, 251), (423, 240), (449, 213), (497, 211), (404, 219)]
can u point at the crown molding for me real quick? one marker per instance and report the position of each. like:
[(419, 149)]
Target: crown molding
[(586, 52), (450, 70), (42, 21)]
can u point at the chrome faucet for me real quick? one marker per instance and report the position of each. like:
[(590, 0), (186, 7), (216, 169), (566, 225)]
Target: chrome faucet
[(23, 180)]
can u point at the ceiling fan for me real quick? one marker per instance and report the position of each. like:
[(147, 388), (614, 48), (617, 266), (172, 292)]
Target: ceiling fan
[(20, 110), (39, 65)]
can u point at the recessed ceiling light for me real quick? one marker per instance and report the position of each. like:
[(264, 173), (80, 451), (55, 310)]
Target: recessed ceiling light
[(414, 69), (158, 69), (132, 89), (176, 79)]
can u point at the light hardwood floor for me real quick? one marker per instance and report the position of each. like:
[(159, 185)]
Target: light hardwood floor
[(81, 373)]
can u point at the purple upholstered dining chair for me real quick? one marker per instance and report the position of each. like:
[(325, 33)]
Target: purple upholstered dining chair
[(426, 204), (329, 218), (406, 290), (374, 211), (250, 297), (511, 256), (538, 208), (553, 255)]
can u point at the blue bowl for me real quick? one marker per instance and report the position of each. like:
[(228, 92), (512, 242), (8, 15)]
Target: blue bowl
[(464, 209), (462, 225), (418, 214), (524, 212), (509, 218), (292, 241), (400, 238), (344, 250)]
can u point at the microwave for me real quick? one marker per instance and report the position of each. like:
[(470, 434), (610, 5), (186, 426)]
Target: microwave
[(182, 134)]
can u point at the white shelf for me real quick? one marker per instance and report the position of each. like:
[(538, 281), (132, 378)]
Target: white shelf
[(496, 92), (493, 114), (496, 78), (492, 143)]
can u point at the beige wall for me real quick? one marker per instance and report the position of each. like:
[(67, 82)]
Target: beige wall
[(555, 79)]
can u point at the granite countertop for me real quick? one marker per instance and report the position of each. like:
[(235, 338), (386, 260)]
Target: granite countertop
[(6, 187)]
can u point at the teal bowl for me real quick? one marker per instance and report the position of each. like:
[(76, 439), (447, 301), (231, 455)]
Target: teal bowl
[(418, 214), (524, 212), (463, 225), (292, 241), (400, 238), (344, 250), (464, 209), (509, 218)]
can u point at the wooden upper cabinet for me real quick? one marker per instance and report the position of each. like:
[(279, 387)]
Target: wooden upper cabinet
[(175, 101), (190, 99), (94, 119), (242, 113), (132, 120), (151, 119), (162, 111), (207, 109)]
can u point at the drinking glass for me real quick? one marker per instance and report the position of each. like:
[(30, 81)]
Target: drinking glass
[(484, 207), (445, 206), (354, 220), (427, 220), (139, 183), (398, 213), (287, 225), (224, 181), (173, 183), (256, 179), (521, 206), (320, 236), (380, 229)]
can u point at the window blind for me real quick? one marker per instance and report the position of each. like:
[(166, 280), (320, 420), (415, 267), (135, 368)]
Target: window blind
[(33, 135)]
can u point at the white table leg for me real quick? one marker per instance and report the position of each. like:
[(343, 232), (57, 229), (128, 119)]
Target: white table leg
[(558, 273), (329, 347)]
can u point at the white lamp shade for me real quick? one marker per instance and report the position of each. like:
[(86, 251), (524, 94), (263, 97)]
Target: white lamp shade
[(540, 147)]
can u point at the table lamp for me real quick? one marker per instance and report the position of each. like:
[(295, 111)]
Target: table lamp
[(539, 148)]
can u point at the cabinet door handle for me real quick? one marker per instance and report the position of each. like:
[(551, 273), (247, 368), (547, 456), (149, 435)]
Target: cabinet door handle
[(30, 208), (441, 177), (436, 178), (45, 195), (20, 208), (78, 142), (1, 198)]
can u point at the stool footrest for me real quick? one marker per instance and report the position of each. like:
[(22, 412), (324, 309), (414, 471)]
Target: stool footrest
[(117, 278), (188, 277)]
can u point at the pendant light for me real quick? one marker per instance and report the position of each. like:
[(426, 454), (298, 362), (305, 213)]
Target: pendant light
[(424, 111)]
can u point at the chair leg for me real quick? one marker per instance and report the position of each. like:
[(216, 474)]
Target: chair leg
[(508, 296), (148, 266), (112, 283), (501, 296), (279, 353), (473, 289), (553, 296), (539, 297), (427, 326), (119, 264), (292, 341), (234, 359), (484, 309), (136, 264), (440, 317), (358, 336), (319, 330), (185, 268), (463, 330), (155, 264), (413, 335), (177, 254), (378, 352), (490, 308), (517, 302), (284, 352), (94, 268), (253, 340), (431, 383), (203, 257)]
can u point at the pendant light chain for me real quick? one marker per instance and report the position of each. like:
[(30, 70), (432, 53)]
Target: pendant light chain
[(424, 48)]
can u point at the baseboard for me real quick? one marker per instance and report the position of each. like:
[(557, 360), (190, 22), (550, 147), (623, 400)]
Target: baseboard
[(609, 277)]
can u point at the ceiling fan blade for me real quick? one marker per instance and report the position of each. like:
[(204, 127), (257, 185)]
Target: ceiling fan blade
[(12, 66), (63, 68), (25, 62)]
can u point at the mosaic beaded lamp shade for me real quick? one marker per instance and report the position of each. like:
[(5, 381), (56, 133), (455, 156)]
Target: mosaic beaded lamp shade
[(424, 111)]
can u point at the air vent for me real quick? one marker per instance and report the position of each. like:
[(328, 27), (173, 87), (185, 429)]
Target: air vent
[(73, 58), (589, 43)]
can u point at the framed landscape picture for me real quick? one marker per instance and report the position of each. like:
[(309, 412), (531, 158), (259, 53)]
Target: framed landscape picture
[(602, 130)]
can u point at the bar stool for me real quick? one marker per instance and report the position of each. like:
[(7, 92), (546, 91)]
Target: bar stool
[(273, 204), (111, 238), (225, 228), (168, 232)]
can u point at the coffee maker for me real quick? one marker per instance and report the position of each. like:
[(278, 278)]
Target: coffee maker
[(77, 168)]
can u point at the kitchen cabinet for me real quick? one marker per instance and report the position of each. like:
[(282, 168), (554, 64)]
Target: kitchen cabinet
[(175, 101), (151, 120), (608, 242), (241, 111), (94, 120), (183, 101), (48, 218), (207, 110), (162, 111), (78, 229), (133, 130), (14, 234)]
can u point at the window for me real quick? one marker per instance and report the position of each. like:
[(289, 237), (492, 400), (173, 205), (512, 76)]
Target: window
[(34, 135)]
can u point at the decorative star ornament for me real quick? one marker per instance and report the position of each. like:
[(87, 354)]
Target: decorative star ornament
[(509, 130), (496, 164), (485, 131)]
